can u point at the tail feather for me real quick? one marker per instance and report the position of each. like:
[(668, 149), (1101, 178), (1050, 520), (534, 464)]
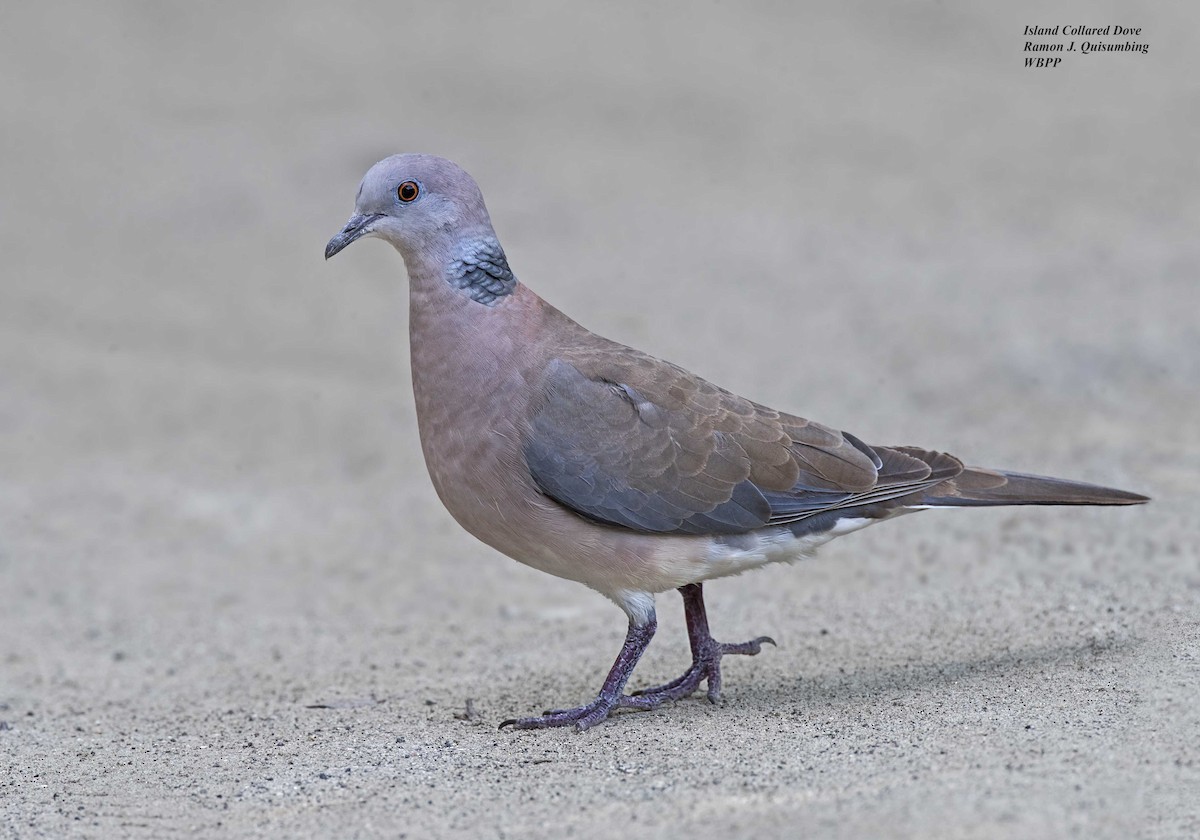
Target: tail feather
[(979, 487)]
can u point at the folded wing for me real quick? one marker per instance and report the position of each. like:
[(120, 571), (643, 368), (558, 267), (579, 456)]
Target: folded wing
[(637, 443)]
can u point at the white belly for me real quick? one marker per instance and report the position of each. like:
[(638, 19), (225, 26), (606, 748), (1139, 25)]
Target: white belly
[(739, 554)]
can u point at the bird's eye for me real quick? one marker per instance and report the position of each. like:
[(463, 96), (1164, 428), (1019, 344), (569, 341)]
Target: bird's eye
[(407, 191)]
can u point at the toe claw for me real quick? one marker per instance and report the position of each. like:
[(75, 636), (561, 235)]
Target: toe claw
[(509, 722), (766, 640)]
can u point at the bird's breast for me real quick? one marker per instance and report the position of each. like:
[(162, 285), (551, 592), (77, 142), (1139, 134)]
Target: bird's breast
[(474, 373)]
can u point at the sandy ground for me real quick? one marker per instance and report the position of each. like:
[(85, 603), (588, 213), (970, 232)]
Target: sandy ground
[(230, 604)]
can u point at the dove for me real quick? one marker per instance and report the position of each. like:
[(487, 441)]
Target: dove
[(598, 463)]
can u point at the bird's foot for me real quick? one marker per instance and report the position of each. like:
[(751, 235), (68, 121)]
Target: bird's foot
[(581, 717), (706, 665), (610, 696)]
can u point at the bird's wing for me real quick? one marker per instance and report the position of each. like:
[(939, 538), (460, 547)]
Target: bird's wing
[(628, 440)]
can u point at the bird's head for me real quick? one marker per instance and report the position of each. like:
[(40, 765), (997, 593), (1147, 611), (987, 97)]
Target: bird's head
[(418, 203)]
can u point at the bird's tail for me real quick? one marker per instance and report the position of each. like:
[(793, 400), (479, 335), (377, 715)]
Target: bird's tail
[(979, 487)]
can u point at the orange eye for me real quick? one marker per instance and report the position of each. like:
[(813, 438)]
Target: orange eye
[(407, 191)]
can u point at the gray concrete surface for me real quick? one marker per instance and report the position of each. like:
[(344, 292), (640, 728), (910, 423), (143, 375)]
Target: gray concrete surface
[(213, 511)]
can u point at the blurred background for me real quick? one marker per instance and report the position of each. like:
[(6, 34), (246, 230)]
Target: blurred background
[(213, 508)]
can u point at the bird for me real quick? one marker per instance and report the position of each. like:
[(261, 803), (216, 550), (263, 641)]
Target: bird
[(601, 464)]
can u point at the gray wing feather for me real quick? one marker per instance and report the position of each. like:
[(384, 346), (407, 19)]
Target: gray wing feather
[(641, 444)]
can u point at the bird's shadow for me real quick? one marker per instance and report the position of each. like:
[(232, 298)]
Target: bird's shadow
[(845, 685), (848, 685)]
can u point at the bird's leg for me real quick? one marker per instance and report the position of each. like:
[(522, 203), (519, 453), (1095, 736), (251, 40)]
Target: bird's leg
[(706, 657), (637, 639)]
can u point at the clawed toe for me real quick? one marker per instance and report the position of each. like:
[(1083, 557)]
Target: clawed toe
[(582, 717), (688, 676), (750, 648)]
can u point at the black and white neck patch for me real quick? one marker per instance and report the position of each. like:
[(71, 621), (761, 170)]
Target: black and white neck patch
[(481, 270)]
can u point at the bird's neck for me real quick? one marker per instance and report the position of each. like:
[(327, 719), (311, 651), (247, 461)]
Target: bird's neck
[(469, 318), (473, 266), (480, 270)]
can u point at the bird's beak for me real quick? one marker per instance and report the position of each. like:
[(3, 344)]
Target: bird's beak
[(358, 227)]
